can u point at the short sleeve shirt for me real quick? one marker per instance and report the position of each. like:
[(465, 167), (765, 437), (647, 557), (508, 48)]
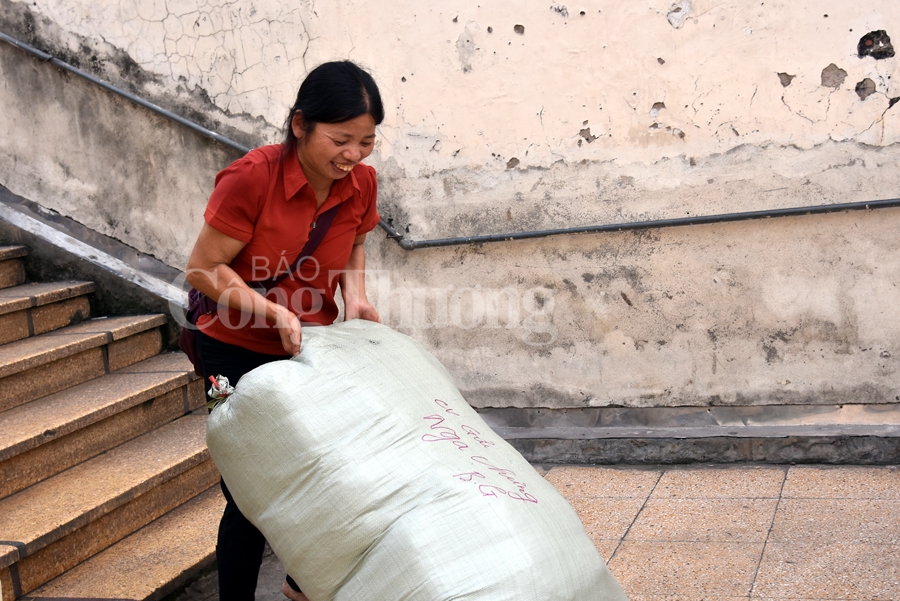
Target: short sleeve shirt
[(264, 200)]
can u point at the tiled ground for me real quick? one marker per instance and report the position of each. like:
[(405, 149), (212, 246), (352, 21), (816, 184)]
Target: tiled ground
[(703, 533), (725, 533)]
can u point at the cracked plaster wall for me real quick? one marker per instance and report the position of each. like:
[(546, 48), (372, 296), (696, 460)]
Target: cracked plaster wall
[(540, 116)]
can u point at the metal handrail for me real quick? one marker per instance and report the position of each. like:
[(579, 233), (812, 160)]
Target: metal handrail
[(644, 225), (408, 244)]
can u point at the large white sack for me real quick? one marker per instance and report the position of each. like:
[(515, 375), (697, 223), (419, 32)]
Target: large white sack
[(373, 479)]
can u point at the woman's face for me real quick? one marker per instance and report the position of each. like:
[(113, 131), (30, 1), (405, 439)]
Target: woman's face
[(332, 150)]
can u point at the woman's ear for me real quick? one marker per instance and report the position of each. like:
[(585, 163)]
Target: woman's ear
[(298, 125)]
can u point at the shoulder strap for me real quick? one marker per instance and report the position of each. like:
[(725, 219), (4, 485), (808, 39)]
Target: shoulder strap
[(319, 229)]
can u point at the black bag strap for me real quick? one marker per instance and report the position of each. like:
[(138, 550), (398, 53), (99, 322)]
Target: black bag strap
[(319, 228)]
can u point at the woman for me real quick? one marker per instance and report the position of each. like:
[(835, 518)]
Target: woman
[(260, 217)]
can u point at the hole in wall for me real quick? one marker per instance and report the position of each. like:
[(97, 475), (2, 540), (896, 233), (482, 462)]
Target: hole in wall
[(876, 44), (833, 76), (586, 134), (786, 79), (678, 13), (865, 88)]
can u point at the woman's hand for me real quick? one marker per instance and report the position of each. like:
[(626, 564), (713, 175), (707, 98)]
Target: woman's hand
[(353, 285), (360, 309), (209, 272), (289, 329)]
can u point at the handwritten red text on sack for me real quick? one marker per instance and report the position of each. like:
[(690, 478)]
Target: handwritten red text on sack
[(441, 431)]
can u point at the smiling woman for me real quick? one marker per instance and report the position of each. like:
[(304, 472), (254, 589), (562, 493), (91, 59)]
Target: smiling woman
[(330, 151), (285, 227), (333, 121)]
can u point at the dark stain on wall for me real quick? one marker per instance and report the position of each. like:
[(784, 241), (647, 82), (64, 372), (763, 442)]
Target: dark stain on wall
[(772, 355), (876, 44), (16, 19), (119, 68), (519, 29), (808, 334), (605, 277)]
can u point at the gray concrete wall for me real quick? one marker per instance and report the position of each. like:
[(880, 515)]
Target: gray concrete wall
[(101, 160), (795, 310), (490, 130)]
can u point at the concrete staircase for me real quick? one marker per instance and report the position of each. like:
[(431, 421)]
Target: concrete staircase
[(107, 490)]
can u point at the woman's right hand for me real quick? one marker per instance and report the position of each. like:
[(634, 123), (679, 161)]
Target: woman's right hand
[(289, 329)]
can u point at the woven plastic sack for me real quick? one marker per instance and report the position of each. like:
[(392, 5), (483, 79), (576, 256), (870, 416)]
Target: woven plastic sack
[(373, 479)]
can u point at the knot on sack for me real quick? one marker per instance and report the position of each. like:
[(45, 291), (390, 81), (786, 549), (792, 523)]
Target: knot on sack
[(219, 392)]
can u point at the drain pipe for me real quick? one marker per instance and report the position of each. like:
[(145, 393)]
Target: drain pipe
[(408, 244), (640, 225)]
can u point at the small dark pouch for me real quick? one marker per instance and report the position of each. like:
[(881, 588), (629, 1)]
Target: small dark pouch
[(200, 304)]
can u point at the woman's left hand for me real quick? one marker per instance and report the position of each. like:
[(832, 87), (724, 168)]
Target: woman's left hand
[(353, 285), (360, 309)]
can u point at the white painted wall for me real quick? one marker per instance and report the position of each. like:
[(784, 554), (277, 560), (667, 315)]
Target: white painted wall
[(464, 91)]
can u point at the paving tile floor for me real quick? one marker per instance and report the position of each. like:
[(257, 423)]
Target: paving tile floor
[(723, 533)]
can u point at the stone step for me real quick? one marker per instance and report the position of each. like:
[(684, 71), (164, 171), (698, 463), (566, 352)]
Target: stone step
[(32, 309), (60, 522), (12, 268), (41, 365), (152, 562), (53, 433), (847, 434)]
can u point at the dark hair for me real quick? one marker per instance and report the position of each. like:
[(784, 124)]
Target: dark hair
[(332, 93)]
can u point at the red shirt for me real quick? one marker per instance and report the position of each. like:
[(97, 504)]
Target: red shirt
[(265, 200)]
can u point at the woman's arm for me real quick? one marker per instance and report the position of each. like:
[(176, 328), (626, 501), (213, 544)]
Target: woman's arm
[(209, 271), (353, 285)]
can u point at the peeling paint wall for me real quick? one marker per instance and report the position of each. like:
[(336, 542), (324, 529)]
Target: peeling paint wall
[(538, 116)]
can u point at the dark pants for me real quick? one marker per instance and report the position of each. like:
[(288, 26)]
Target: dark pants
[(240, 546)]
